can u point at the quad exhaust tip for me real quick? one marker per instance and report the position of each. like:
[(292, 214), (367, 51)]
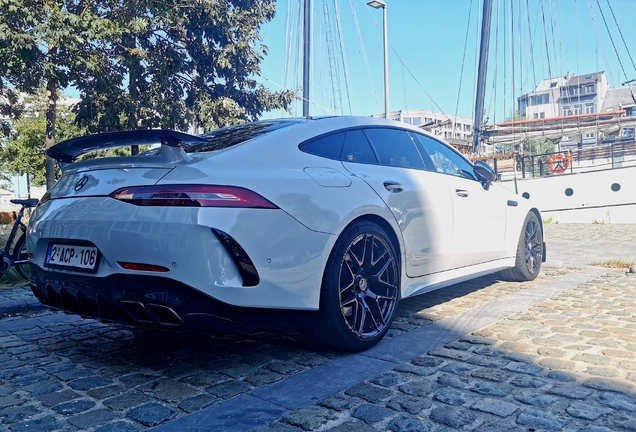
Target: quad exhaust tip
[(151, 313)]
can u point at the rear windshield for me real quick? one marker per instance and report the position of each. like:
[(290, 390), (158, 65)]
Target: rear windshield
[(231, 135)]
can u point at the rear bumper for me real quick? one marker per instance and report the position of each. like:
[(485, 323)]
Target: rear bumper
[(197, 247), (154, 302)]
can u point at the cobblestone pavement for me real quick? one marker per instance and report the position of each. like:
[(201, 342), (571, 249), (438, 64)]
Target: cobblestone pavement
[(565, 363)]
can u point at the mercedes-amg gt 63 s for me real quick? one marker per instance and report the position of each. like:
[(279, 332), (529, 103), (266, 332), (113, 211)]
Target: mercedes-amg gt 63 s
[(321, 224)]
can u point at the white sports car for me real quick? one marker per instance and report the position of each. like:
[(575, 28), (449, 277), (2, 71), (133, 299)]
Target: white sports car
[(319, 223)]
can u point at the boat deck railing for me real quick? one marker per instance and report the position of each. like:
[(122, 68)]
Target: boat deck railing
[(617, 154)]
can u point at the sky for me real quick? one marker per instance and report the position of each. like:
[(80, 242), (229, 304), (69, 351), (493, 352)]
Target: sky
[(433, 52), (433, 48)]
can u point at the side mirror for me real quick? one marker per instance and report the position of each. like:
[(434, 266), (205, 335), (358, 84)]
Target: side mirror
[(484, 173)]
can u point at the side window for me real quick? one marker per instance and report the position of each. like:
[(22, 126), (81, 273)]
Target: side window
[(444, 159), (395, 147), (357, 148), (328, 146)]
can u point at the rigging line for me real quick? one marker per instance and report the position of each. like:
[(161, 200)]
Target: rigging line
[(512, 53), (287, 41), (545, 39), (476, 65), (333, 66), (618, 57), (598, 38), (520, 25), (621, 33), (493, 96), (556, 35), (534, 73), (412, 75), (505, 52), (299, 46), (364, 51), (302, 98), (461, 72), (418, 83), (343, 53), (406, 102)]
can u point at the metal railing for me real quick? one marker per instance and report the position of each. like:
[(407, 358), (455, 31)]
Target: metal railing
[(605, 156)]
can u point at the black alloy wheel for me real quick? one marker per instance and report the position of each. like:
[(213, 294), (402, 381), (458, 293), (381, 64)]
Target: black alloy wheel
[(533, 240), (360, 289), (529, 254)]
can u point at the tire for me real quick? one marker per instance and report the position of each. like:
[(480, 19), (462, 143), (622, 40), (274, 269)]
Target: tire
[(19, 256), (360, 289), (529, 252)]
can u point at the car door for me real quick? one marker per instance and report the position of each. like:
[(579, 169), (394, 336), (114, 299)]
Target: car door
[(479, 213), (394, 168)]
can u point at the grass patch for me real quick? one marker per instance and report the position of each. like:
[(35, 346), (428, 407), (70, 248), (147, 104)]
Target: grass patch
[(615, 263)]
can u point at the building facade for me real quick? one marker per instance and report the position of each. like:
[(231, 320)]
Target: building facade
[(565, 96), (573, 95), (456, 130)]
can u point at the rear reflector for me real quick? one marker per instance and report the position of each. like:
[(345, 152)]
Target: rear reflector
[(143, 267), (192, 196)]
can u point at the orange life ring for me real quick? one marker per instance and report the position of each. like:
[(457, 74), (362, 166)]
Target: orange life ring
[(559, 163)]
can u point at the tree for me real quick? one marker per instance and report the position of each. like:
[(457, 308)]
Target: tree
[(51, 44), (183, 64), (138, 63), (22, 149), (529, 146)]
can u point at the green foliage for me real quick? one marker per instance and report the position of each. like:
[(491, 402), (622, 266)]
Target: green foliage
[(177, 64), (137, 64), (530, 146), (22, 149)]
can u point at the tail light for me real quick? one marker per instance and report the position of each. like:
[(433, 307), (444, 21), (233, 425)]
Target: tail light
[(191, 196), (143, 267)]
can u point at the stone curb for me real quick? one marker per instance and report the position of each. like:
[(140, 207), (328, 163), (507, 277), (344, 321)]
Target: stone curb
[(20, 306)]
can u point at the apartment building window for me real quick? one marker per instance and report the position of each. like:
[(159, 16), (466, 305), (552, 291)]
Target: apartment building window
[(564, 91), (407, 120), (567, 111), (535, 116), (417, 121), (541, 115), (589, 108), (589, 88), (577, 110), (542, 99), (589, 135), (574, 91), (553, 84)]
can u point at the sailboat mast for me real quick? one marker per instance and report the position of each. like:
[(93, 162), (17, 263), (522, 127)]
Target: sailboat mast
[(481, 73), (306, 54)]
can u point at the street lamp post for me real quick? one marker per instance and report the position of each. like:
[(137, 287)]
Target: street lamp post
[(381, 4)]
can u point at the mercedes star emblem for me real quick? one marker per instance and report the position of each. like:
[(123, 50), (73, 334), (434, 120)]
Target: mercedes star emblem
[(81, 183)]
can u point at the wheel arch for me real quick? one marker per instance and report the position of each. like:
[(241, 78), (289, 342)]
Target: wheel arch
[(388, 229), (536, 212)]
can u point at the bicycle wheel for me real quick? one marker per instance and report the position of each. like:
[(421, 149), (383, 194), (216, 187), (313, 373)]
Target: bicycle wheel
[(21, 258)]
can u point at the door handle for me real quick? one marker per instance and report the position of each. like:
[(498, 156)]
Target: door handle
[(392, 186), (461, 192)]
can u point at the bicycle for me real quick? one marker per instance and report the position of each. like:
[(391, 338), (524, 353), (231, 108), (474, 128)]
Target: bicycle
[(18, 257)]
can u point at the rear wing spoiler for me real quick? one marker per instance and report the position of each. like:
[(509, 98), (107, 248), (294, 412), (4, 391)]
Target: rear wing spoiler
[(68, 151)]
